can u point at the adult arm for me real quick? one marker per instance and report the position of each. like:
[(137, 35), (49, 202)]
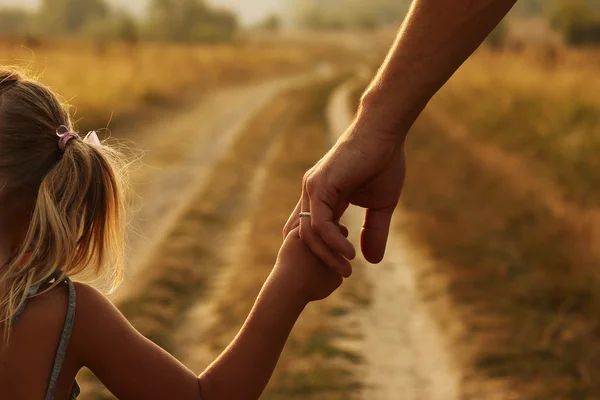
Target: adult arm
[(434, 41), (367, 165)]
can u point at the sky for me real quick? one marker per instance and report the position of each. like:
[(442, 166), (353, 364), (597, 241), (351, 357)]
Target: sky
[(250, 11)]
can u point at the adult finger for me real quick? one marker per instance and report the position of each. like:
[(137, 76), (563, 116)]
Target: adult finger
[(293, 221), (323, 219), (334, 260), (343, 229), (375, 233)]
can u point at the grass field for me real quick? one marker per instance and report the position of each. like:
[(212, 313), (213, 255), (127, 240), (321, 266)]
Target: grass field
[(502, 188), (545, 109), (107, 82)]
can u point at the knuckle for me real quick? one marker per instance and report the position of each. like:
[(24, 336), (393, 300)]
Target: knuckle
[(311, 183), (307, 176)]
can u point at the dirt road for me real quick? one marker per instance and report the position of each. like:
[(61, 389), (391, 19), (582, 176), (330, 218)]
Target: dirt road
[(405, 353), (179, 154)]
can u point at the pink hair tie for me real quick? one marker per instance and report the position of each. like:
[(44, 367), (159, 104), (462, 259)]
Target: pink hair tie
[(65, 136)]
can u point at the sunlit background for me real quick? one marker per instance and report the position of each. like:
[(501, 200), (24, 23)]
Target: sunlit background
[(497, 240)]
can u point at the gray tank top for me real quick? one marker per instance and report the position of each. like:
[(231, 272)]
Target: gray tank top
[(65, 338)]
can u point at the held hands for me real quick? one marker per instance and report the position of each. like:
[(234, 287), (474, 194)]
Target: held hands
[(366, 169), (301, 271)]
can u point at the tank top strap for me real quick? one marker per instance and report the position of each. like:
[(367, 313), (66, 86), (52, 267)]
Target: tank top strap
[(33, 290), (65, 338)]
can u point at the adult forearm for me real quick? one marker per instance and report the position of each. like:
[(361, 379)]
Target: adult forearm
[(244, 369), (434, 40)]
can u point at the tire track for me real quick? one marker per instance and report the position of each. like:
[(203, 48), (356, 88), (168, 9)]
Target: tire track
[(405, 353)]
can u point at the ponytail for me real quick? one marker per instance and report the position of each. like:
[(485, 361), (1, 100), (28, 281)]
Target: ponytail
[(77, 219)]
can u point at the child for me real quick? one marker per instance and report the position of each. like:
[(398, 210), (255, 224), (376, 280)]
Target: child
[(61, 215)]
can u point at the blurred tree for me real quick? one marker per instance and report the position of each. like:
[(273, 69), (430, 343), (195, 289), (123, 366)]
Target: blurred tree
[(127, 28), (272, 23), (366, 21), (529, 8), (312, 17), (14, 21), (567, 12), (337, 14), (119, 26), (497, 39), (390, 11), (218, 26), (578, 22), (67, 17), (188, 20), (164, 19)]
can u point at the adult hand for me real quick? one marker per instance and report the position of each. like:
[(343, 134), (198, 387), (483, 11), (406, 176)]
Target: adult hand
[(365, 168)]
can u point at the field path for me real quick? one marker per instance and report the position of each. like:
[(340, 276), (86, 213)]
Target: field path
[(405, 354), (180, 150)]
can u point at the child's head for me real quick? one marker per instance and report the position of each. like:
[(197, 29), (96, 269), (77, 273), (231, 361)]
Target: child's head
[(60, 209)]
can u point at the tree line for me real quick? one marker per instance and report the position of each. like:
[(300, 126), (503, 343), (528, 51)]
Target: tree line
[(348, 14), (165, 20), (578, 21)]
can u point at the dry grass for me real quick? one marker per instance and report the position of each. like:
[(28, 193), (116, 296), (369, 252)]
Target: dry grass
[(540, 105), (113, 81), (504, 195)]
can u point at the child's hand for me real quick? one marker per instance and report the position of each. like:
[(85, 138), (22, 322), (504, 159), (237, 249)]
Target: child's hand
[(300, 269)]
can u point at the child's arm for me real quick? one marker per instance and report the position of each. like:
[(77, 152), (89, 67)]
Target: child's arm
[(132, 367), (244, 369)]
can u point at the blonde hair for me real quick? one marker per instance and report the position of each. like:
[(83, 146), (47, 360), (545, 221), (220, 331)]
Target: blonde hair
[(77, 199)]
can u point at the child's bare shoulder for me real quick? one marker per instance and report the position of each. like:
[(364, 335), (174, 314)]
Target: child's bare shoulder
[(94, 311), (52, 305), (98, 322), (89, 298)]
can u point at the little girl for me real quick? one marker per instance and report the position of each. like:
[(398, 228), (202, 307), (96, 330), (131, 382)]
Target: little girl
[(62, 215)]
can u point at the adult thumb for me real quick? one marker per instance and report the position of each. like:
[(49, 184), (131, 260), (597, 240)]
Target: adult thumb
[(375, 233)]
